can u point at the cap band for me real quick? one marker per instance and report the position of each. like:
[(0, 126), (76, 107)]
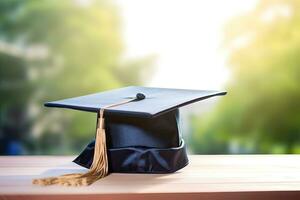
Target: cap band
[(136, 160)]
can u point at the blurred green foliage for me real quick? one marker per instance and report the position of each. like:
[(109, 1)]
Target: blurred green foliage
[(50, 50), (261, 113)]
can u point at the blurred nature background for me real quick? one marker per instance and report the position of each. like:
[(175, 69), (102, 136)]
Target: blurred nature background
[(52, 49)]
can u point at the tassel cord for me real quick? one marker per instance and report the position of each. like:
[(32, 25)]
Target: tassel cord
[(99, 167)]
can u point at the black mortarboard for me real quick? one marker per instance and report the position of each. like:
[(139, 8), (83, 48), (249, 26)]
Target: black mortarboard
[(141, 127)]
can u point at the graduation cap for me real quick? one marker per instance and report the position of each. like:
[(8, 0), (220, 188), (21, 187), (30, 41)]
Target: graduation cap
[(140, 133)]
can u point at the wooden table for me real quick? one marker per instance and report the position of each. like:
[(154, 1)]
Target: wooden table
[(206, 177)]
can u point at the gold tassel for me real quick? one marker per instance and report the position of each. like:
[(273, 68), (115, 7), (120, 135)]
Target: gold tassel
[(99, 167)]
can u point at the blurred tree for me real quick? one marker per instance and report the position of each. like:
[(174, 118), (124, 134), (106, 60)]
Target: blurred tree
[(52, 49), (261, 113)]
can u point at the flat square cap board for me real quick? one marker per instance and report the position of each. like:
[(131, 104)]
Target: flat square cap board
[(157, 100)]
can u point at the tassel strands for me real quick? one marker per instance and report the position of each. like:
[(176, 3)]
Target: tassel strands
[(99, 167)]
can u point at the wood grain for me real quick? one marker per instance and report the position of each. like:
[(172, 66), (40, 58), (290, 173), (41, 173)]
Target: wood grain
[(206, 177)]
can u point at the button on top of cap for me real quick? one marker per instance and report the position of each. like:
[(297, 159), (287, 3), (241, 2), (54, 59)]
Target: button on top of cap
[(140, 96)]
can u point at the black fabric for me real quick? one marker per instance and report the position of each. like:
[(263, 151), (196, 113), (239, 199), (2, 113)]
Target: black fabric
[(138, 145), (157, 101), (139, 159), (158, 132)]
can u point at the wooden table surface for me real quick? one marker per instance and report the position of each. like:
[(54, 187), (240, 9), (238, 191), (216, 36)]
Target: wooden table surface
[(206, 177)]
